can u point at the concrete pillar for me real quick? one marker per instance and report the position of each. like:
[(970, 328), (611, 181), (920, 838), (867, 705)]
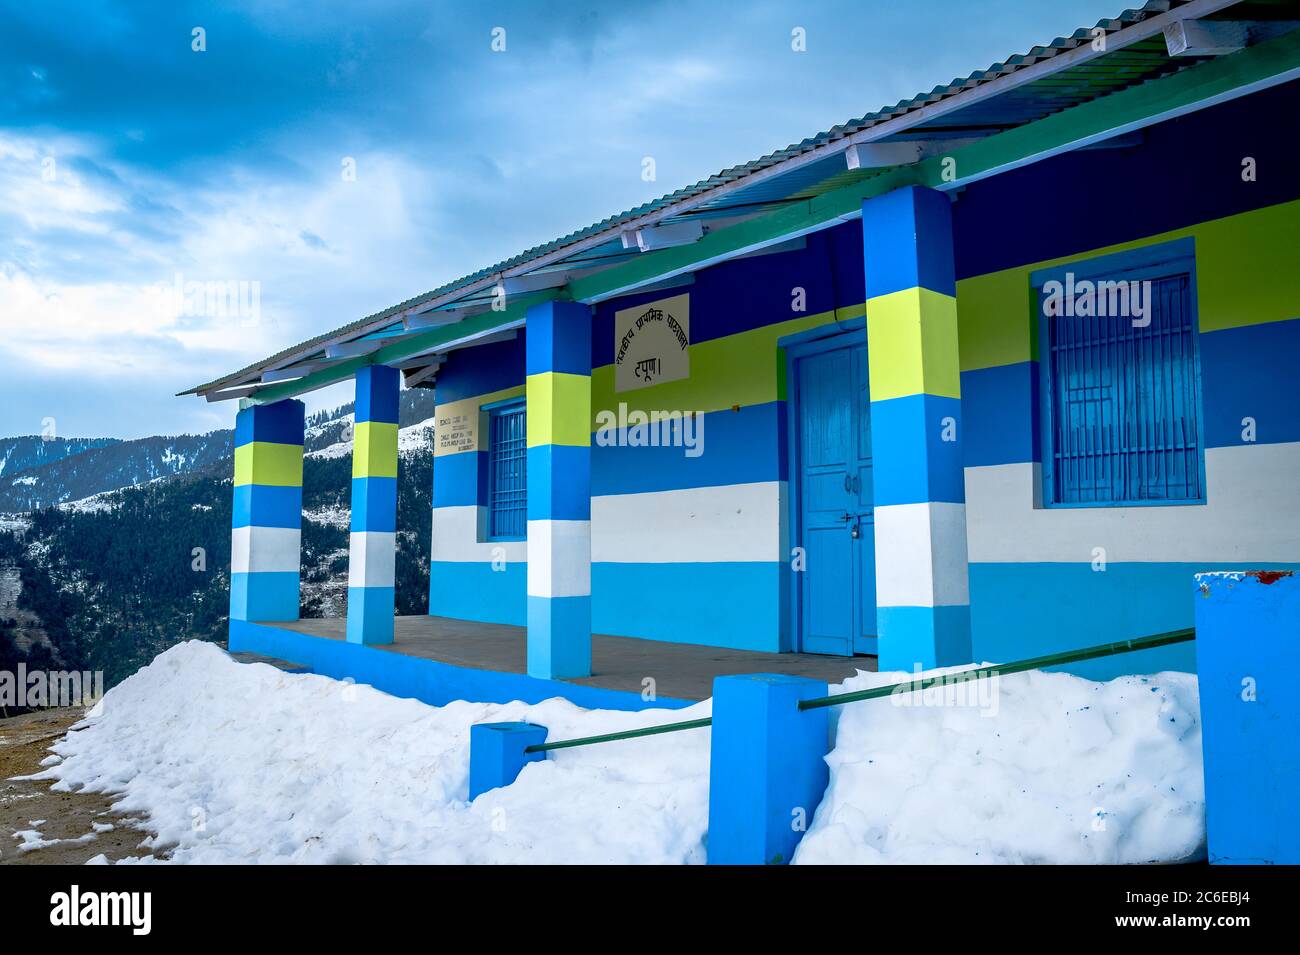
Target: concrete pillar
[(922, 593), (496, 753), (266, 517), (767, 767), (558, 395), (1247, 658), (373, 547)]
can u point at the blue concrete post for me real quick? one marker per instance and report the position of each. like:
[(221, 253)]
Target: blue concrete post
[(372, 550), (767, 767), (496, 753), (558, 396), (919, 491), (1247, 659), (266, 517)]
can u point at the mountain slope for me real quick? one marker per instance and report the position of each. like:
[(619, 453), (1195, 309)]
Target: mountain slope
[(31, 450)]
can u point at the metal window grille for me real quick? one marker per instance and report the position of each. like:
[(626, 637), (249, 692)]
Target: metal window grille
[(507, 473), (1123, 404)]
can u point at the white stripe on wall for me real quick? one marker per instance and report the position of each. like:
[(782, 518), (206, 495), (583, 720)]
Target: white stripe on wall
[(1251, 514), (734, 522), (265, 550), (371, 558), (921, 555), (456, 538), (559, 562)]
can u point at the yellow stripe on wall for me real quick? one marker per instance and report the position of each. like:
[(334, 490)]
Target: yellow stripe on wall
[(1245, 275), (263, 462)]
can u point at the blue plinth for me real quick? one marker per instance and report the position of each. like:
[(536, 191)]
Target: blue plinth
[(496, 753), (1247, 659), (767, 767)]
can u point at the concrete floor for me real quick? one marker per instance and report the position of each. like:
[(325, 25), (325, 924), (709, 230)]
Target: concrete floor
[(681, 671)]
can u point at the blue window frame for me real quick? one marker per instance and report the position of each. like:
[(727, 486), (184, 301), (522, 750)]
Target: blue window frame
[(1121, 390), (507, 464)]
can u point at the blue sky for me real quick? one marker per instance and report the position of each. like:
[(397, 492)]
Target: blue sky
[(128, 159)]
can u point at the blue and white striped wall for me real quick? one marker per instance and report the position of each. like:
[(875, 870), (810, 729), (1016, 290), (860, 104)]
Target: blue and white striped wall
[(696, 549)]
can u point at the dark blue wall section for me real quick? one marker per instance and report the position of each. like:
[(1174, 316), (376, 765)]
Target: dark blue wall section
[(1188, 170), (482, 370)]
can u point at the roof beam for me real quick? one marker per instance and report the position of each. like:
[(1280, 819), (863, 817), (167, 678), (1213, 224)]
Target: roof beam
[(1207, 37), (879, 155), (438, 318), (353, 348), (665, 236)]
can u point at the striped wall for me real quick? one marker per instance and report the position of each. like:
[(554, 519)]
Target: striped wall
[(695, 548), (1035, 582), (266, 522), (684, 548)]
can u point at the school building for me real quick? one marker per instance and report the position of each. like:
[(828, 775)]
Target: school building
[(983, 375)]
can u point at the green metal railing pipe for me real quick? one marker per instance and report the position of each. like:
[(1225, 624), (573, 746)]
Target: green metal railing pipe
[(910, 686), (1017, 666)]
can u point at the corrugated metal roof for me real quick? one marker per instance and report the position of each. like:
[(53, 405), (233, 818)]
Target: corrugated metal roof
[(1078, 81)]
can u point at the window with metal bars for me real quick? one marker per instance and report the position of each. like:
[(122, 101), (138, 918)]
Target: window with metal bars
[(507, 486), (1121, 380)]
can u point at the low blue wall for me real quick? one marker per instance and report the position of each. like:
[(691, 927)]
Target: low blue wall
[(426, 680)]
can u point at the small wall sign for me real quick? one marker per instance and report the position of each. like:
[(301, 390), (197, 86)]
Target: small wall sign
[(651, 343), (456, 432)]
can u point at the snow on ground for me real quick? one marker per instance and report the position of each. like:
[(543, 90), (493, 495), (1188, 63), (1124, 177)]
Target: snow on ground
[(243, 763), (1037, 767)]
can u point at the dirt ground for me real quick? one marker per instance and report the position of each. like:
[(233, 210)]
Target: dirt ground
[(72, 821)]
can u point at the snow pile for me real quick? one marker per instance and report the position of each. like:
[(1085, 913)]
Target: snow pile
[(243, 763), (237, 762), (1029, 768)]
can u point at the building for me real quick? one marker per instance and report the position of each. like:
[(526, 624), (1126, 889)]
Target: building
[(984, 375)]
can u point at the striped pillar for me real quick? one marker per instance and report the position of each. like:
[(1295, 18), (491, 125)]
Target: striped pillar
[(373, 547), (266, 517), (558, 396), (922, 595)]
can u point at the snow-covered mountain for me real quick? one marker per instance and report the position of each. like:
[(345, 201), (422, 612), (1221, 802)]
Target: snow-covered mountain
[(37, 472), (109, 466), (30, 451)]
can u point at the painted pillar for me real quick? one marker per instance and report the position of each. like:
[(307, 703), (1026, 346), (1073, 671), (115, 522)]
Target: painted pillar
[(1247, 658), (922, 593), (496, 753), (372, 554), (767, 767), (266, 518), (558, 396)]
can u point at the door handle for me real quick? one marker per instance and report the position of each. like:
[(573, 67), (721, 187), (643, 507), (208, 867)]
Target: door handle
[(848, 483), (846, 518)]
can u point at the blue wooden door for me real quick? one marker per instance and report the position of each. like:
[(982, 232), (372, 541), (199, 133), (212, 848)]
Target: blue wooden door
[(837, 581)]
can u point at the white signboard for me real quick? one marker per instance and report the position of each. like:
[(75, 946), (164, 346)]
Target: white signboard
[(651, 343)]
